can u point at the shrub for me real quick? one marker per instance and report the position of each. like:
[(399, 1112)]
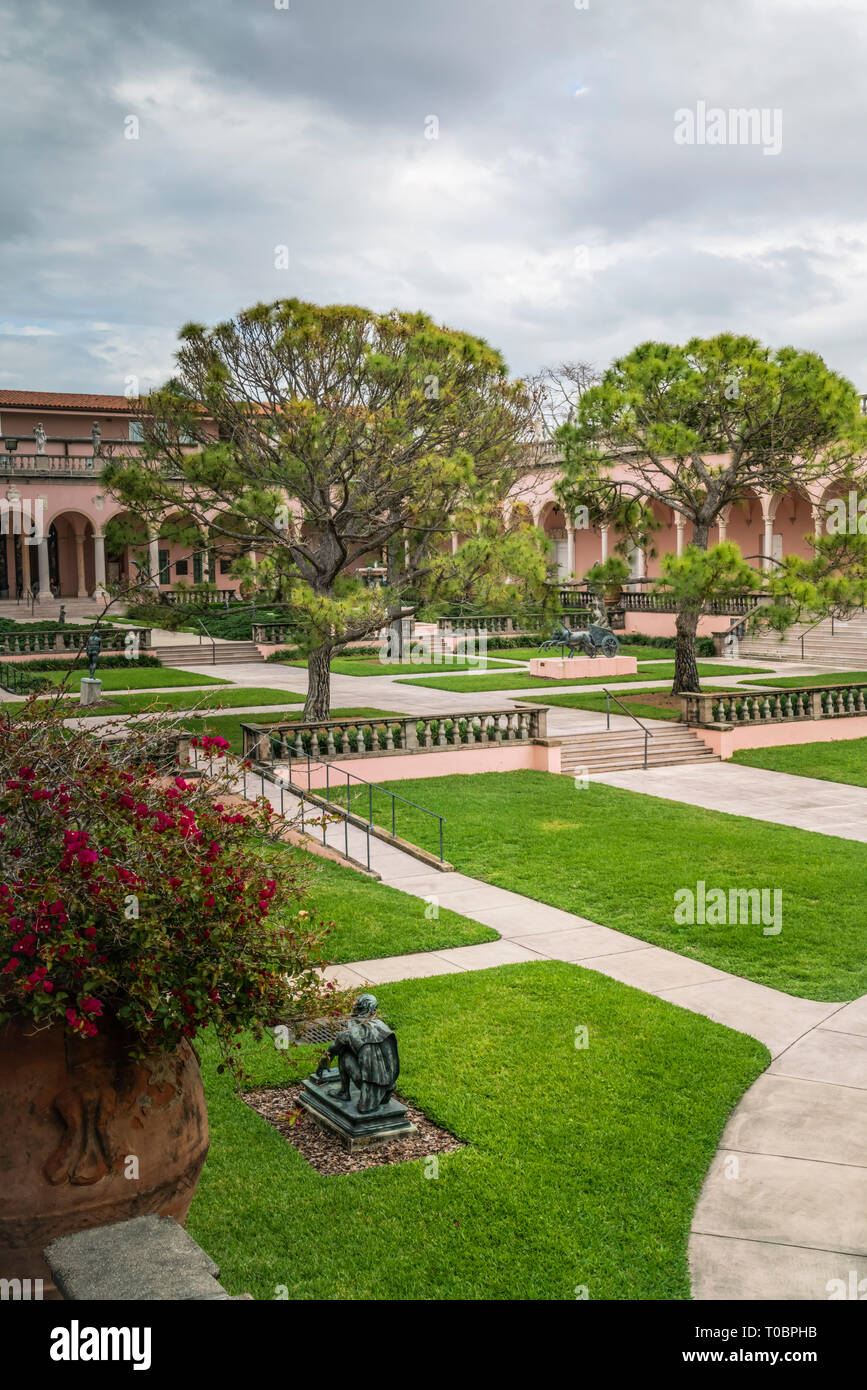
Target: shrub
[(129, 893)]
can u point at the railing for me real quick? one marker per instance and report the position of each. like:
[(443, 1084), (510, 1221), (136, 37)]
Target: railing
[(273, 633), (643, 727), (330, 813), (811, 628), (481, 623), (638, 602), (306, 766), (780, 705), (200, 624), (14, 677), (189, 598), (376, 737), (68, 639), (57, 465)]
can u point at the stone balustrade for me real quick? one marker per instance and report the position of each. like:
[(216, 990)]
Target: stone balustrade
[(365, 738), (777, 706), (273, 634), (499, 623), (54, 465), (68, 640)]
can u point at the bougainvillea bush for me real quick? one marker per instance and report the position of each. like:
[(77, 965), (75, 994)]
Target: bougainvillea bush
[(127, 890)]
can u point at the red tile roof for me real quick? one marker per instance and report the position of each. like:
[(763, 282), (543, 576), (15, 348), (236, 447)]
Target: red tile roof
[(63, 400)]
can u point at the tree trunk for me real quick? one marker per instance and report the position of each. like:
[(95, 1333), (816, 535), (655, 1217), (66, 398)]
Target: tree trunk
[(685, 664), (318, 703)]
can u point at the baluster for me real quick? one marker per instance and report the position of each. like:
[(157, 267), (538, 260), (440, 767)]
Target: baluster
[(498, 729), (860, 700), (765, 707), (389, 738), (745, 710), (787, 702), (329, 742), (299, 745), (441, 735), (428, 738), (344, 742), (778, 707), (359, 739)]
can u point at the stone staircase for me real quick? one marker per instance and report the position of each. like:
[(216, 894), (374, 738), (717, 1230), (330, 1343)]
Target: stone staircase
[(845, 648), (619, 749), (221, 654)]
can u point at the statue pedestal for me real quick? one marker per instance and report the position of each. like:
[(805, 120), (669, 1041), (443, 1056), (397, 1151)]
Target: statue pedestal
[(91, 691), (341, 1117), (576, 667)]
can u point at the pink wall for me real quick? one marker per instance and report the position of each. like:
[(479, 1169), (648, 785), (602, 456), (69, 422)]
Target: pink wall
[(393, 767), (662, 624), (725, 741)]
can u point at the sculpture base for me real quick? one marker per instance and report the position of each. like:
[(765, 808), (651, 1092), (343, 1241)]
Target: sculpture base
[(341, 1117), (576, 667), (91, 691)]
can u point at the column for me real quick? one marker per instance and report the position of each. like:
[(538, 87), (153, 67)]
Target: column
[(640, 562), (154, 559), (570, 552), (44, 577), (25, 563), (79, 564), (680, 523), (818, 519), (768, 544), (722, 528), (603, 532), (99, 561), (454, 542)]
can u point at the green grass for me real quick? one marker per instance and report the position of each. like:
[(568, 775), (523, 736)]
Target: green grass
[(228, 726), (663, 670), (640, 653), (844, 760), (617, 857), (136, 678), (232, 697), (582, 1167), (595, 700), (363, 666), (805, 682), (372, 920)]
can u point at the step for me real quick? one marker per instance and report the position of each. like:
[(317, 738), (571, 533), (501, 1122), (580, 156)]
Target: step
[(206, 655)]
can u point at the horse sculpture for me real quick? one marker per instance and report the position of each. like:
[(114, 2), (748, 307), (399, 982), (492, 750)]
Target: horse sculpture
[(591, 641)]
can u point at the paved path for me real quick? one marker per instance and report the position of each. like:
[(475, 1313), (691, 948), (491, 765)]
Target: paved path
[(826, 808), (783, 1209)]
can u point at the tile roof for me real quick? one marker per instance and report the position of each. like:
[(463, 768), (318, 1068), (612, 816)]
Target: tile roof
[(64, 400)]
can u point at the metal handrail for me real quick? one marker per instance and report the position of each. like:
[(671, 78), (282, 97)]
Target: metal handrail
[(608, 698), (371, 786), (199, 622), (301, 796)]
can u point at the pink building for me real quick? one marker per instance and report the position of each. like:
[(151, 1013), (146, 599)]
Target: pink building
[(53, 447)]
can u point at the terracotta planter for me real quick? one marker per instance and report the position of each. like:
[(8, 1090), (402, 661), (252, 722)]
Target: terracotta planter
[(88, 1137)]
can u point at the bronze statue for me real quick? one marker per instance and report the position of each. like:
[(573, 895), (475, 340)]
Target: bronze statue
[(93, 649), (366, 1052)]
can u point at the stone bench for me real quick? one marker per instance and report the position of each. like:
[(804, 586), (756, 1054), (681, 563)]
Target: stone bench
[(147, 1258)]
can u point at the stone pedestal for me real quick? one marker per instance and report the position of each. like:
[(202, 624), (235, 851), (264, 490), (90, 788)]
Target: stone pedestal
[(341, 1117), (91, 691), (577, 667)]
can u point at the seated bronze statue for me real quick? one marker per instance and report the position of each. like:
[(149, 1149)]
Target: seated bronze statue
[(366, 1052)]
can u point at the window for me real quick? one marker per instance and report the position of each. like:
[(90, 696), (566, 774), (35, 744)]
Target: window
[(182, 566), (136, 431)]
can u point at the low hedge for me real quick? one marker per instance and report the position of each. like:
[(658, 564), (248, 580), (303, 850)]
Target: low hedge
[(112, 661)]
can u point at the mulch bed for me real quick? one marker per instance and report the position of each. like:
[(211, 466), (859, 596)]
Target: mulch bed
[(324, 1151)]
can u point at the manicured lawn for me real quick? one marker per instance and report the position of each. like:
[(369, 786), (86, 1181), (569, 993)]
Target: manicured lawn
[(233, 697), (363, 666), (844, 760), (595, 700), (663, 670), (134, 678), (372, 920), (826, 678), (618, 858), (582, 1166), (228, 726)]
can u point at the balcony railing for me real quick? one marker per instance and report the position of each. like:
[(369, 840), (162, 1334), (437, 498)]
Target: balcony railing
[(52, 465), (635, 601), (68, 640)]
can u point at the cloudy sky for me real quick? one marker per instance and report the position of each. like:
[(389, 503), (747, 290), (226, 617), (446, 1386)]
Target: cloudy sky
[(510, 166)]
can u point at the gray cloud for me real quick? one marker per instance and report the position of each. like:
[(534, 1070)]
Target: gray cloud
[(305, 128)]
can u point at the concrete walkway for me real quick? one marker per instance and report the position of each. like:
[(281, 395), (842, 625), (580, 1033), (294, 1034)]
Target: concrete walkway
[(783, 1209), (826, 808)]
